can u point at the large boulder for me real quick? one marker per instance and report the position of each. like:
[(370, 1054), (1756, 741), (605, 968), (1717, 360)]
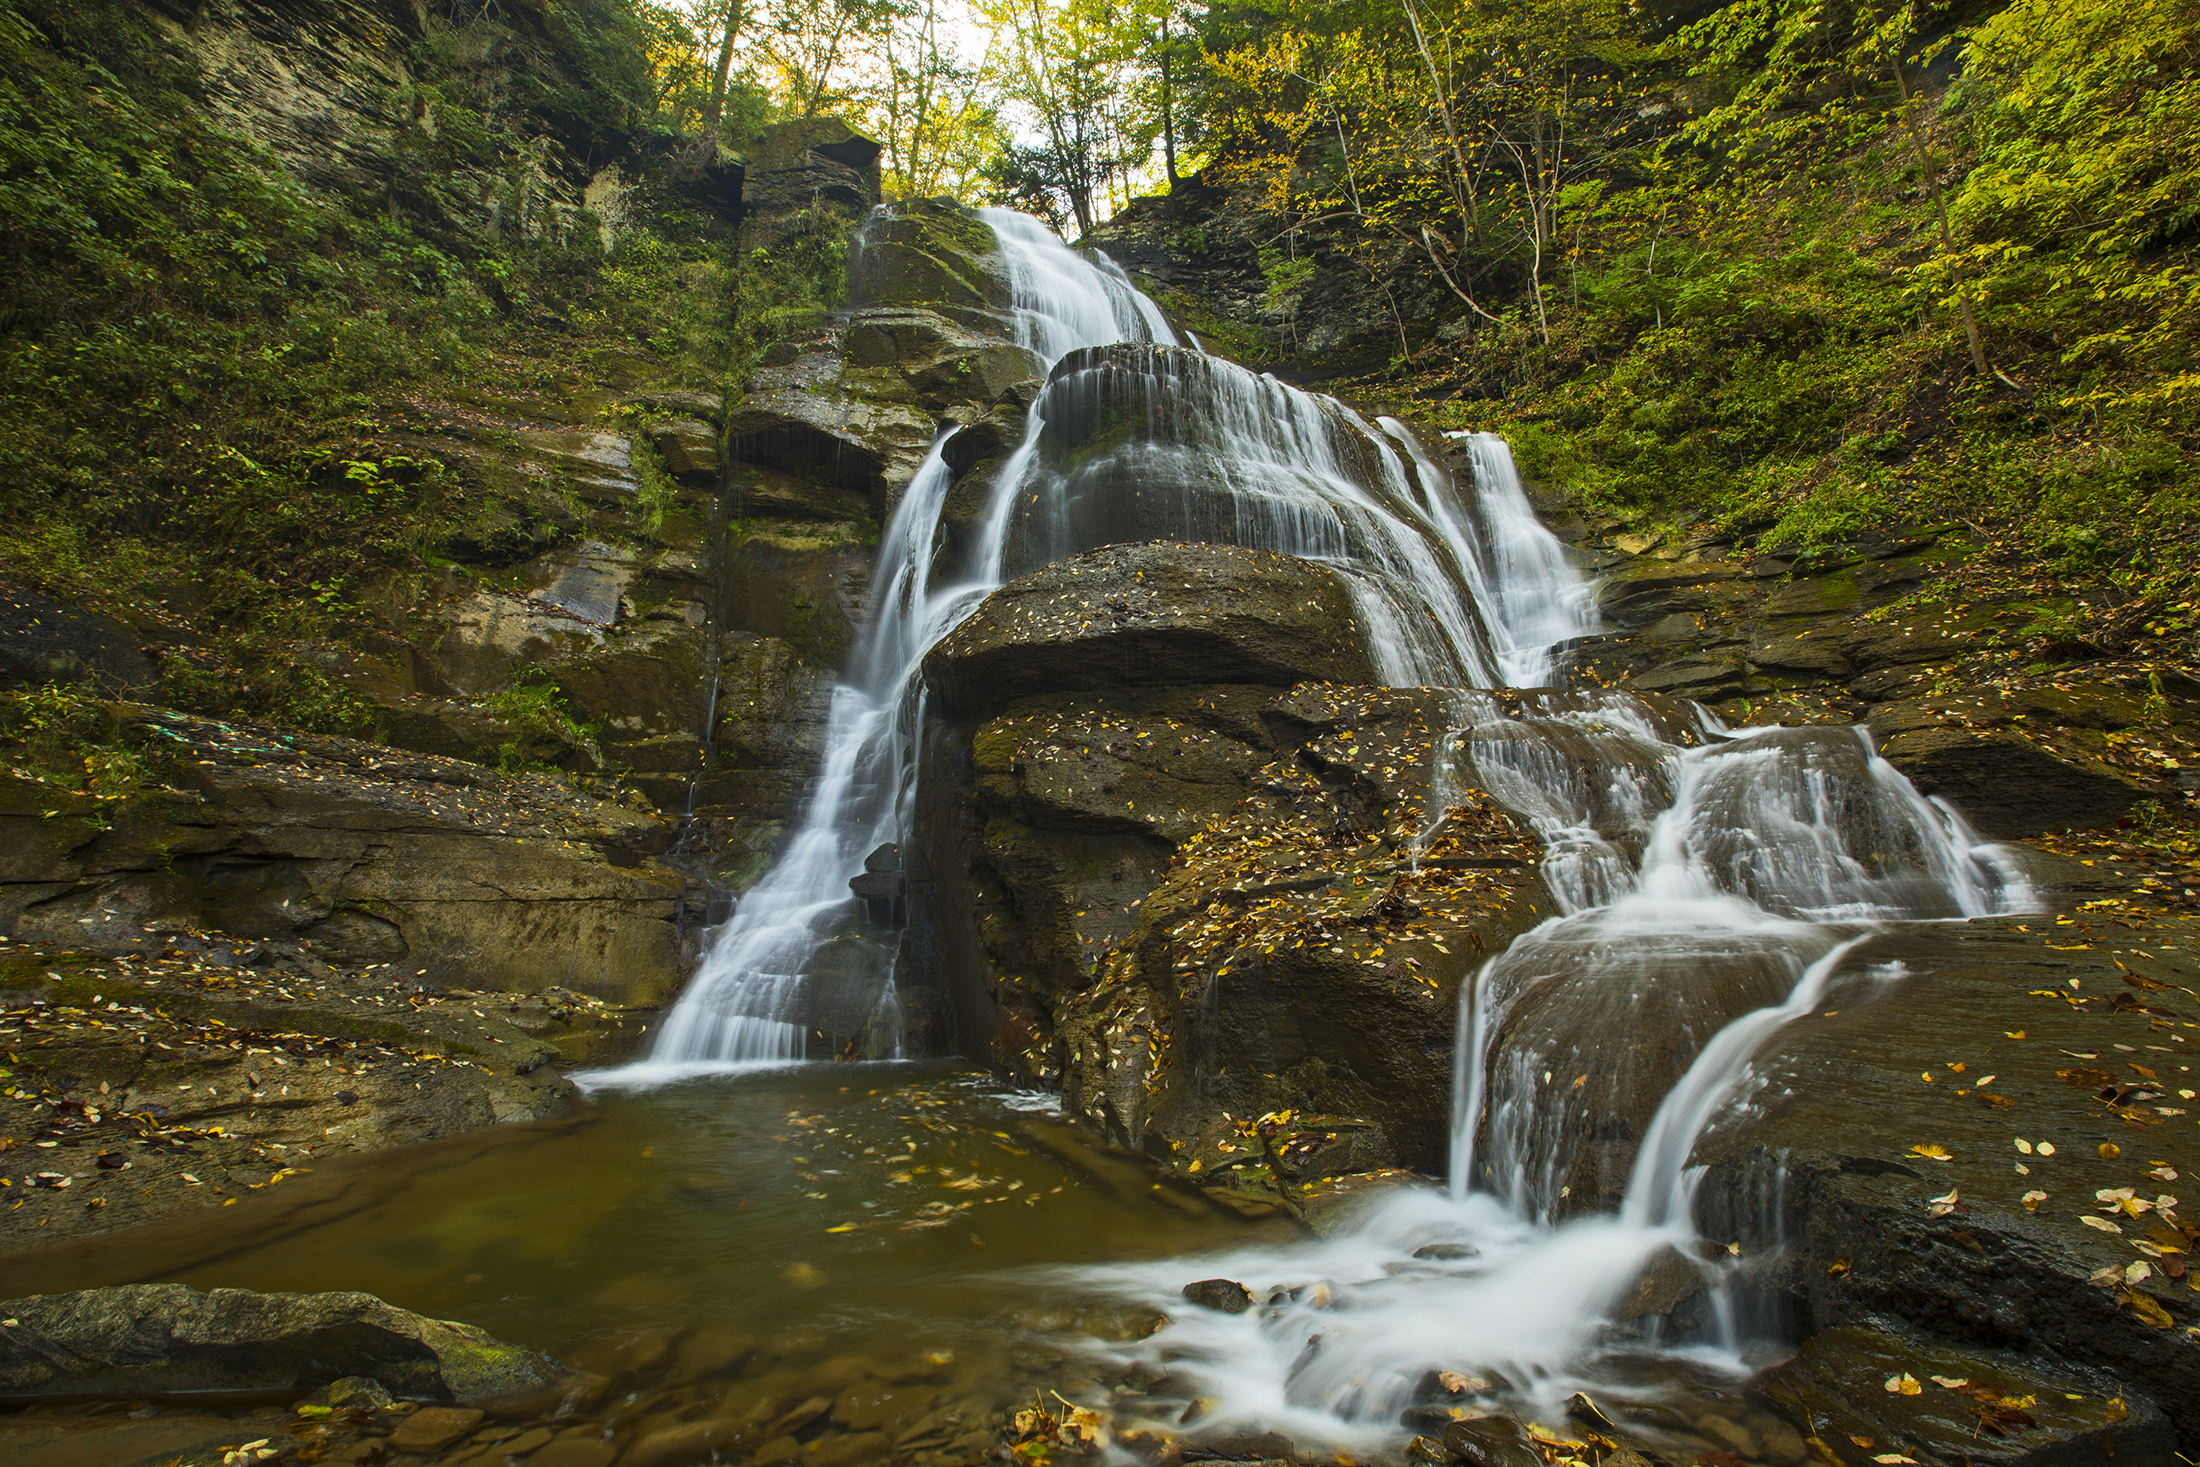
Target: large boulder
[(931, 254), (798, 420), (2003, 760), (1153, 614), (1195, 906), (808, 161), (943, 361), (1299, 960), (140, 1340), (1936, 1150)]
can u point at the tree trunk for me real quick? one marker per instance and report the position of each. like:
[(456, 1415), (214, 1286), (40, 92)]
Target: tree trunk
[(1168, 110), (1979, 363), (715, 108), (1463, 182)]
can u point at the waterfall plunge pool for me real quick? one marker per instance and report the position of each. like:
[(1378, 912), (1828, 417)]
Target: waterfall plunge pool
[(923, 1249)]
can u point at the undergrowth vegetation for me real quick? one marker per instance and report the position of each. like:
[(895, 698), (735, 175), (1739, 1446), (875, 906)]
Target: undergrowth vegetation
[(214, 376), (1791, 361)]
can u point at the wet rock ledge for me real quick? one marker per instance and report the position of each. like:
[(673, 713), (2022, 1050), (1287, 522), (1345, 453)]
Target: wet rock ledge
[(374, 855), (180, 1078)]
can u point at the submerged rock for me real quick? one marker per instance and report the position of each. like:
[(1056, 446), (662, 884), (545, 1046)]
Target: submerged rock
[(159, 1339), (1490, 1441)]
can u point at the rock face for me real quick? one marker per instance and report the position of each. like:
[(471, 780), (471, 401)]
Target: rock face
[(373, 854), (1152, 615), (1199, 253), (149, 1339), (43, 641), (1192, 904), (1844, 1223)]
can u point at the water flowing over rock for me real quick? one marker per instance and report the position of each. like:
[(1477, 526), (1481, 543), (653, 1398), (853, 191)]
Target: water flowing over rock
[(1212, 733), (1322, 560), (1712, 886)]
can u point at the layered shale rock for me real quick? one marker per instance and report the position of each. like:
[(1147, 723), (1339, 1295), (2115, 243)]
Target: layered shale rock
[(375, 855)]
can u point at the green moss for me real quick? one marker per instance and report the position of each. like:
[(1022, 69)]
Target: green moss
[(215, 382)]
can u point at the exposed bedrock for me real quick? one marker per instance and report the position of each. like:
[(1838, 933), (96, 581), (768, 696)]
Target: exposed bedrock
[(1153, 614), (1872, 636), (1921, 1157), (1217, 917), (461, 874)]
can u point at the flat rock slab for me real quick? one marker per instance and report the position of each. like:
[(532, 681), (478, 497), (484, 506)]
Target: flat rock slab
[(1942, 1145), (1153, 614), (1936, 1403), (155, 1339)]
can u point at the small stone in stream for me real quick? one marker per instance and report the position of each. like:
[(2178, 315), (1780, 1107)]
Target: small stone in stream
[(711, 1352), (345, 1097), (575, 1452), (801, 1416), (696, 1441), (872, 1406), (1428, 1449), (1730, 1434), (778, 1449), (432, 1428), (526, 1441), (1227, 1295), (1782, 1442), (1268, 1446), (858, 1449), (359, 1390), (1444, 1252)]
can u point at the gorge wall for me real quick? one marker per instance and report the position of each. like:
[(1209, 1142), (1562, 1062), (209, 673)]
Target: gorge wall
[(1179, 853)]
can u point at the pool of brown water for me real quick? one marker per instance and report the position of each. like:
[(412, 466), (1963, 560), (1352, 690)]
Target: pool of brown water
[(840, 1259)]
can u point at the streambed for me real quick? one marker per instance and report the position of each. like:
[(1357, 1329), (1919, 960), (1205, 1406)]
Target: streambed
[(884, 1261)]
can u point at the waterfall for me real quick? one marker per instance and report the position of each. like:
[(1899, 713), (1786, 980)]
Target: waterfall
[(1215, 453), (1715, 884), (1538, 603)]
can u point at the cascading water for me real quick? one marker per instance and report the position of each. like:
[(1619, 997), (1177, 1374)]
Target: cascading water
[(1714, 885), (1221, 456), (1538, 605)]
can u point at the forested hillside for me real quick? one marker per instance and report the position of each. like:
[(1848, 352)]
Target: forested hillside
[(1792, 269)]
